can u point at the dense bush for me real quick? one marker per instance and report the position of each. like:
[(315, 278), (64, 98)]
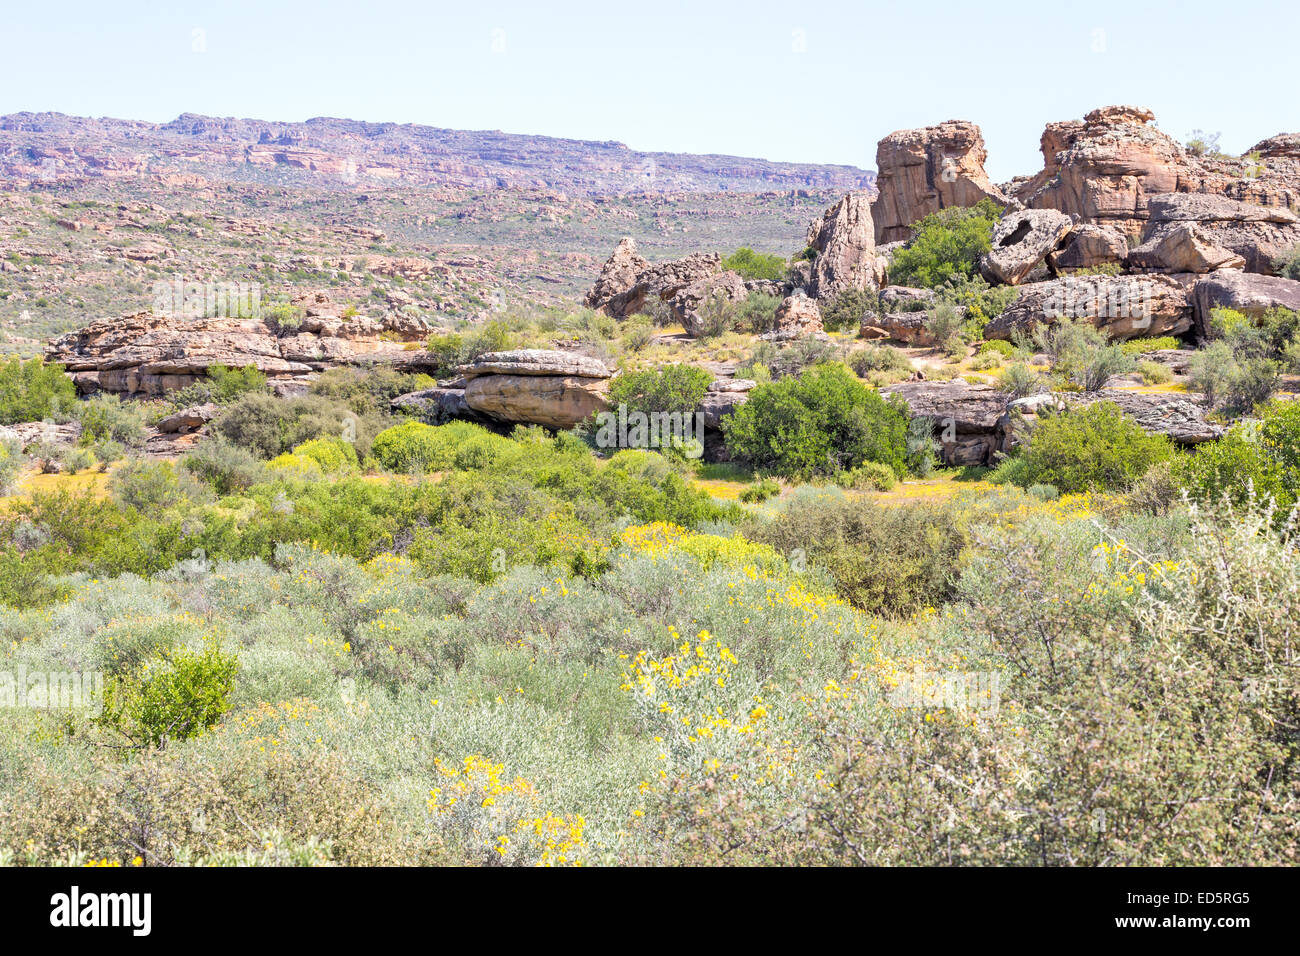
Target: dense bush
[(32, 391), (783, 359), (755, 265), (665, 388), (892, 560), (1240, 367), (108, 418), (268, 426), (845, 312), (1260, 459), (1090, 448), (945, 243), (369, 391), (821, 423)]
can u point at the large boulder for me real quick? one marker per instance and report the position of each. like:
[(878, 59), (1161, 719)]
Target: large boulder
[(976, 423), (910, 328), (1124, 307), (1182, 247), (920, 171), (1243, 291), (845, 242), (436, 405), (1021, 241), (617, 275), (1214, 232), (663, 281), (688, 301), (1088, 246), (537, 386), (797, 317)]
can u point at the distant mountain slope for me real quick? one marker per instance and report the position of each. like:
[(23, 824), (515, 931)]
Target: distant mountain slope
[(327, 152)]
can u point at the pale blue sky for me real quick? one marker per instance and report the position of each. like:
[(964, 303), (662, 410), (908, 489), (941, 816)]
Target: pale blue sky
[(813, 83)]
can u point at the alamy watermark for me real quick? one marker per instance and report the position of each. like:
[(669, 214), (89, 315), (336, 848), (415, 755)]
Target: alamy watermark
[(52, 690), (1082, 298), (207, 300), (963, 691), (621, 428)]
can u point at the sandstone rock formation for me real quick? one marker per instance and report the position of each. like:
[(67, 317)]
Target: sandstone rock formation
[(907, 327), (188, 419), (618, 274), (1021, 241), (147, 354), (626, 281), (687, 302), (1243, 291), (797, 317), (844, 239), (920, 171), (539, 386), (1088, 246), (1214, 231), (1104, 168), (1124, 307), (976, 423)]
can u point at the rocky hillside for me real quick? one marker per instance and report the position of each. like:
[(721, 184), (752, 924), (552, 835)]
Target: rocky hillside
[(343, 153)]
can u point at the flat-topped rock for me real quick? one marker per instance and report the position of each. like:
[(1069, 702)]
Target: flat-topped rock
[(1124, 307), (536, 362)]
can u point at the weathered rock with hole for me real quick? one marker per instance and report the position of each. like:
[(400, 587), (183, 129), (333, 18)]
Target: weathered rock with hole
[(1021, 241)]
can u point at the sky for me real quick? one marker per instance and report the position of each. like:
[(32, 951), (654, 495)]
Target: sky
[(814, 82)]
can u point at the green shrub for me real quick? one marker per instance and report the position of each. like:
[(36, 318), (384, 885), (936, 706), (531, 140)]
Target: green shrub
[(892, 560), (227, 467), (821, 423), (869, 476), (982, 302), (1091, 448), (334, 455), (665, 388), (229, 383), (32, 391), (845, 312), (283, 317), (1153, 373), (416, 447), (269, 426), (179, 697), (758, 312), (879, 358), (998, 346), (147, 486), (945, 243), (783, 359), (760, 491), (1260, 459), (1288, 264), (368, 391), (1019, 380), (1158, 344), (11, 464), (755, 265), (106, 417)]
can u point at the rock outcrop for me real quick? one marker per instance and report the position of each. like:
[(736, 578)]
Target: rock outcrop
[(1124, 307), (976, 423), (146, 354), (920, 171), (844, 239), (1214, 232), (663, 281), (1021, 241), (1105, 168), (907, 327), (1243, 291), (538, 386), (687, 302), (797, 317), (1088, 246), (617, 275)]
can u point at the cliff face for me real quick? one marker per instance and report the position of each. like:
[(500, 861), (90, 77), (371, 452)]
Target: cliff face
[(348, 152)]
